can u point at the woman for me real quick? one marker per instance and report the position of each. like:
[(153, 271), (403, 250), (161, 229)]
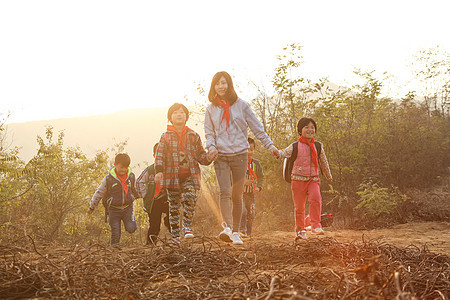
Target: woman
[(226, 121)]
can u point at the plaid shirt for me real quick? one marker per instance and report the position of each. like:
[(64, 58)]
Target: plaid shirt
[(167, 160)]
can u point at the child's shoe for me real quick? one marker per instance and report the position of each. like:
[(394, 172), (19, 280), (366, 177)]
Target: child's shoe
[(226, 235), (176, 241), (236, 237), (308, 228), (317, 231), (301, 235), (188, 233)]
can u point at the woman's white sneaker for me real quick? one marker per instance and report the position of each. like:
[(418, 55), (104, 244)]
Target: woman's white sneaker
[(237, 239), (226, 235)]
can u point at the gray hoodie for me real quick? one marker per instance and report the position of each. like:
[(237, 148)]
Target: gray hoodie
[(232, 139)]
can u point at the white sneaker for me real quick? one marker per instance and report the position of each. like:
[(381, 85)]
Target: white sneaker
[(237, 239), (318, 231), (226, 235), (308, 228), (301, 235)]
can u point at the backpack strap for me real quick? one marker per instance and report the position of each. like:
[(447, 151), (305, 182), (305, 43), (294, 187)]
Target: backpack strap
[(318, 148)]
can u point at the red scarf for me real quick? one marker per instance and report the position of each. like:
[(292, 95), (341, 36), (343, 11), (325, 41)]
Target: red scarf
[(122, 180), (157, 190), (226, 113), (181, 135), (252, 173), (313, 150)]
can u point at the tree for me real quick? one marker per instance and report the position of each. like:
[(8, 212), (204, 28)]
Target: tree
[(64, 180)]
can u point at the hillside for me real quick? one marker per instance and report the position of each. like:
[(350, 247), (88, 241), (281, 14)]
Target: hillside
[(142, 128)]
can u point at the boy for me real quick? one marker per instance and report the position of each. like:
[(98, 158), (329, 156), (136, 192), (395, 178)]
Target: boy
[(155, 201), (118, 191), (254, 181), (177, 168)]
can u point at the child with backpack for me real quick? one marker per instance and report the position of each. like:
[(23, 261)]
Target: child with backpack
[(155, 201), (302, 170), (117, 192), (177, 168), (254, 181)]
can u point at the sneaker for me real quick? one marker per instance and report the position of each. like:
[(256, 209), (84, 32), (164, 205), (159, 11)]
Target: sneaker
[(176, 241), (237, 239), (188, 233), (226, 235), (318, 231), (301, 235), (308, 228)]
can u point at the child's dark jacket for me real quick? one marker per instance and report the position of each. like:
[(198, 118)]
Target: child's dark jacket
[(112, 191), (167, 160)]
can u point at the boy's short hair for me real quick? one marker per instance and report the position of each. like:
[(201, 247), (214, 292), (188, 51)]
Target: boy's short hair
[(175, 107), (122, 159), (251, 141), (304, 122), (155, 147)]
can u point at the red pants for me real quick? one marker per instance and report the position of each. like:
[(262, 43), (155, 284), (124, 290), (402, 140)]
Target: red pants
[(301, 189)]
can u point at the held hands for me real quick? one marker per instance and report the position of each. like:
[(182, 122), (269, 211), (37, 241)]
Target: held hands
[(275, 152), (159, 178), (212, 155)]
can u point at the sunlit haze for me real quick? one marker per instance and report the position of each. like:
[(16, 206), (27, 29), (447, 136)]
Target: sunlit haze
[(72, 58)]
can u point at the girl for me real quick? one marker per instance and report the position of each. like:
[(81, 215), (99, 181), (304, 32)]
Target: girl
[(226, 121), (305, 176)]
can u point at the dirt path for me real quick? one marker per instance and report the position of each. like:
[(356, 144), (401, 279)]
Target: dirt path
[(436, 235)]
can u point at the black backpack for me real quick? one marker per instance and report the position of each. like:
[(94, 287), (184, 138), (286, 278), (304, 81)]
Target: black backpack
[(289, 162)]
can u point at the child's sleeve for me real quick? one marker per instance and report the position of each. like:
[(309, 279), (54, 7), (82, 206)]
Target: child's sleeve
[(99, 194), (140, 183), (287, 152), (159, 158), (200, 154), (323, 162)]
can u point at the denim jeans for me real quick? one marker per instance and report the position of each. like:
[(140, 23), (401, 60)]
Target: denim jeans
[(230, 173), (116, 216)]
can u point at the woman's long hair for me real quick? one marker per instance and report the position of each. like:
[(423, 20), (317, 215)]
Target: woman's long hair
[(230, 95)]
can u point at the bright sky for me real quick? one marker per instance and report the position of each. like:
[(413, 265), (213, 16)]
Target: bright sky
[(70, 58)]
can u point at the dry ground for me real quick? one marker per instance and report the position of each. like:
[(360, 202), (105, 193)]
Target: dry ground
[(435, 235)]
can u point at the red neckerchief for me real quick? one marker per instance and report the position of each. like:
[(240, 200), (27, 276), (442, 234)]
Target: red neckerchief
[(157, 190), (252, 173), (181, 134), (313, 150), (122, 180), (226, 113)]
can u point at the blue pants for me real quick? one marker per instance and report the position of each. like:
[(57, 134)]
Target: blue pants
[(116, 216)]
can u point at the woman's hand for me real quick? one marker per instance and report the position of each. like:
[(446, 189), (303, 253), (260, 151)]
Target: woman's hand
[(275, 152)]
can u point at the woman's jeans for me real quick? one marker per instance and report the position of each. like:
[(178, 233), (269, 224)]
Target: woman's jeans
[(230, 173)]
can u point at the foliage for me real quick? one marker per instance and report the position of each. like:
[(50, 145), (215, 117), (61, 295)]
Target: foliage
[(376, 200)]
